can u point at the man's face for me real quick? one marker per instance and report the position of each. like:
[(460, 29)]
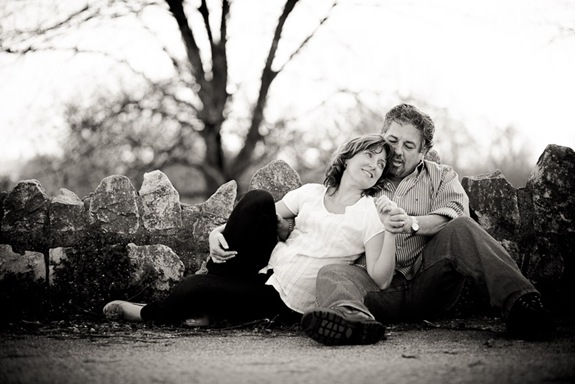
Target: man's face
[(408, 143)]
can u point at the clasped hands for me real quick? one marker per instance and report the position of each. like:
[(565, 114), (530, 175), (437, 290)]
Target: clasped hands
[(394, 218)]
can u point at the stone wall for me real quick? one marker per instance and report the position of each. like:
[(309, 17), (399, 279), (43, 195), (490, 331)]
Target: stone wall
[(62, 254), (536, 223)]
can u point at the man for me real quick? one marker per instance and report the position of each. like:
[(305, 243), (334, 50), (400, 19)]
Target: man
[(438, 246)]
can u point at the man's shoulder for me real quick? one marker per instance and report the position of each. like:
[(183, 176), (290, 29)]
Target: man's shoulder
[(440, 173), (432, 166)]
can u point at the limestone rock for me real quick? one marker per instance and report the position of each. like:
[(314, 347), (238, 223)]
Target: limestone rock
[(221, 203), (552, 183), (25, 216), (552, 190), (161, 203), (493, 202), (29, 264), (56, 257), (157, 258), (67, 218), (277, 177), (24, 293), (200, 219), (3, 195), (113, 208)]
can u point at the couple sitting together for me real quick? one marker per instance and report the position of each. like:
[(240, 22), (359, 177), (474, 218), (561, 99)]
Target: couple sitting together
[(386, 238)]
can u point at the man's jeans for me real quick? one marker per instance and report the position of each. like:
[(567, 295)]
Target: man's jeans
[(461, 249)]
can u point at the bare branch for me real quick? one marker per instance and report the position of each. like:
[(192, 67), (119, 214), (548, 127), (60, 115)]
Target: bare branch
[(80, 16), (220, 62), (203, 9), (34, 38), (310, 36), (268, 75), (192, 49), (173, 60)]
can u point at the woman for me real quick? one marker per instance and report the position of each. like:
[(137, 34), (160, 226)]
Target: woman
[(337, 222)]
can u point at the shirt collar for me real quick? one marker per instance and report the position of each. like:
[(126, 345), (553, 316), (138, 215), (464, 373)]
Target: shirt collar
[(414, 175)]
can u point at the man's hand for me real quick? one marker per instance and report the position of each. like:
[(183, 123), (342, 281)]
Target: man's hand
[(392, 216), (219, 249), (384, 205), (396, 219), (283, 227)]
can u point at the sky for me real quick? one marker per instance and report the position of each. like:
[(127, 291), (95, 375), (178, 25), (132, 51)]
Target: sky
[(491, 63)]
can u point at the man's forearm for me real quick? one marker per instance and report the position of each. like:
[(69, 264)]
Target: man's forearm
[(430, 225)]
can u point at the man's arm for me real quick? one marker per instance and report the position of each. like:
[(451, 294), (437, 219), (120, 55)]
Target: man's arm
[(219, 249), (285, 227), (400, 222), (429, 225), (285, 220), (449, 202)]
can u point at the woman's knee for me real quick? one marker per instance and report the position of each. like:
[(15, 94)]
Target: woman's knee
[(254, 204), (258, 196)]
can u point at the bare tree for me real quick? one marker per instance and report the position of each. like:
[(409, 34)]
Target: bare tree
[(183, 124)]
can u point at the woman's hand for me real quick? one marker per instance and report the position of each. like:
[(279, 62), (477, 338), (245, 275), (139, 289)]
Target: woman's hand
[(392, 216), (384, 205), (219, 249)]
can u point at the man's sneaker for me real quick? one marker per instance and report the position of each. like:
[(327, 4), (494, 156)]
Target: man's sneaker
[(528, 319), (339, 327)]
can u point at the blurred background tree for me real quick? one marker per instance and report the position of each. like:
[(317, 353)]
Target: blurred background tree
[(174, 124), (205, 121)]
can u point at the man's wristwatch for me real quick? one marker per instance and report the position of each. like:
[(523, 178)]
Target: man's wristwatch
[(414, 225)]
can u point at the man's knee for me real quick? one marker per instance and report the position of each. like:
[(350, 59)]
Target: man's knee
[(462, 228), (462, 223)]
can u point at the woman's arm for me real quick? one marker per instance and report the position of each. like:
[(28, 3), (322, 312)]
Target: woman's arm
[(380, 258), (219, 249)]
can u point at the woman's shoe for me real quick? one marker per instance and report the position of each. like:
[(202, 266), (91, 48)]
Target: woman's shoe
[(123, 310)]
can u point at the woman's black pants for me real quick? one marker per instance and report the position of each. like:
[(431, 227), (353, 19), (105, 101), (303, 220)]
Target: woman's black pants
[(233, 290)]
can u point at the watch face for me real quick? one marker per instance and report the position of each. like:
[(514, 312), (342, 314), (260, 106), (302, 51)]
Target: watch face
[(415, 227)]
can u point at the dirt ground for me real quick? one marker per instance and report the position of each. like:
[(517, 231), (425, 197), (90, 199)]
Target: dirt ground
[(473, 350)]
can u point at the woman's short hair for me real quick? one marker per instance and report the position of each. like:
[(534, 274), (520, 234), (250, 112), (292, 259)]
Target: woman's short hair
[(371, 142)]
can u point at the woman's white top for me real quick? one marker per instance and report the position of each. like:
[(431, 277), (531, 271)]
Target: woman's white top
[(319, 238)]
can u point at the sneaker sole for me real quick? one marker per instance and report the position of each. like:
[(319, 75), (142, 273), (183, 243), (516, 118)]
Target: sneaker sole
[(330, 328)]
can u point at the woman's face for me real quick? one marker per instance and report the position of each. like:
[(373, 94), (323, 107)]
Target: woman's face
[(366, 167)]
